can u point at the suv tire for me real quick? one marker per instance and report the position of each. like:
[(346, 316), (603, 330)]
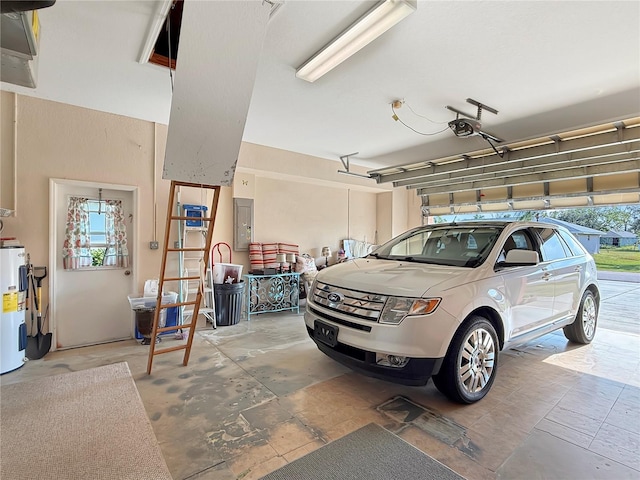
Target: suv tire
[(471, 363), (583, 328)]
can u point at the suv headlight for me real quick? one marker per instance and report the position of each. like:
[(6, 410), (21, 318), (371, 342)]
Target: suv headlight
[(397, 308)]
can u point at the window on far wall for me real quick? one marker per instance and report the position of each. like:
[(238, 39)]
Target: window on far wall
[(96, 234), (97, 231)]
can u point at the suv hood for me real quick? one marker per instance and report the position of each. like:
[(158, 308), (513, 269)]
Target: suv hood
[(391, 277)]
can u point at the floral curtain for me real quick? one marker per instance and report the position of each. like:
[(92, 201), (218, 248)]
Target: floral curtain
[(75, 252), (117, 254)]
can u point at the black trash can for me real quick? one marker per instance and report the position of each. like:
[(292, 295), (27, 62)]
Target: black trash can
[(144, 323), (228, 300)]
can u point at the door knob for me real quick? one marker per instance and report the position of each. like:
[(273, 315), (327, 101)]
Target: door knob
[(127, 273)]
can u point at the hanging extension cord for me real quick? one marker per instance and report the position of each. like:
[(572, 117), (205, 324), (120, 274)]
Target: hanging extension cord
[(396, 104)]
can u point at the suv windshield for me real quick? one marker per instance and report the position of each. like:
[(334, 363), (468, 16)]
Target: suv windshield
[(454, 245)]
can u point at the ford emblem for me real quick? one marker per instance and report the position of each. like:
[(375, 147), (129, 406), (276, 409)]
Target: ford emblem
[(335, 297)]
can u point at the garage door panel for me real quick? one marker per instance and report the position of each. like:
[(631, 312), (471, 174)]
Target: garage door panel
[(492, 194), (616, 181), (529, 205), (570, 202), (568, 186), (528, 190), (617, 199)]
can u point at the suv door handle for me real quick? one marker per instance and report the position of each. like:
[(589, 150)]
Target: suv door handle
[(546, 276), (578, 268)]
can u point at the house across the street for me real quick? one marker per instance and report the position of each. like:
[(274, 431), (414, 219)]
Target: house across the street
[(618, 238)]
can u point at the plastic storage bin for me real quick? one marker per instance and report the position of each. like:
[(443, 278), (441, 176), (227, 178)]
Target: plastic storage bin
[(195, 211), (168, 316), (227, 273), (228, 301)]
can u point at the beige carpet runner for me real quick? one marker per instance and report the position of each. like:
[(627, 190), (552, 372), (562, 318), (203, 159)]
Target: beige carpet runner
[(82, 425)]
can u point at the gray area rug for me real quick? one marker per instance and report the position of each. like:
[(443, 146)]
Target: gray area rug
[(366, 454), (82, 425)]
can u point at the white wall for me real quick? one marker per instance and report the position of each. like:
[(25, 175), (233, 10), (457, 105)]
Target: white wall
[(384, 216), (399, 210), (55, 140), (7, 152), (414, 210), (312, 217), (303, 200), (298, 198)]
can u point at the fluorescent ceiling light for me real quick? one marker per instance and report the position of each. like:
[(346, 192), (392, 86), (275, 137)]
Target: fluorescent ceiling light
[(366, 29)]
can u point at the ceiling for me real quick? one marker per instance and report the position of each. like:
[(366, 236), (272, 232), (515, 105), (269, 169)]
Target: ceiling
[(545, 66)]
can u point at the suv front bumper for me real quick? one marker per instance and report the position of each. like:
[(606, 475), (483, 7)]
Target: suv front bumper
[(416, 372)]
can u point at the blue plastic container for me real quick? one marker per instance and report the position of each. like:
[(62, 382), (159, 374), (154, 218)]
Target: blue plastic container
[(172, 319), (171, 314), (195, 211)]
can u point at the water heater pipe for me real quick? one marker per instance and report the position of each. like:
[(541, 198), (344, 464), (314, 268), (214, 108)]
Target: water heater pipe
[(15, 154)]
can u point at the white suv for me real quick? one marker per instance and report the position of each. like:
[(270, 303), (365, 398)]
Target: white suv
[(441, 301)]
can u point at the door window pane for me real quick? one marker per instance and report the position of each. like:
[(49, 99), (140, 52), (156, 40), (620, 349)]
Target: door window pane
[(97, 231), (552, 247), (576, 247)]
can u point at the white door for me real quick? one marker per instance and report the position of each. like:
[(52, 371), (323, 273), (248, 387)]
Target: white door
[(529, 290), (566, 270), (90, 305)]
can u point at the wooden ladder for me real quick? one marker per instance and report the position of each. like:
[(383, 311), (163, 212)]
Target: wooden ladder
[(205, 249)]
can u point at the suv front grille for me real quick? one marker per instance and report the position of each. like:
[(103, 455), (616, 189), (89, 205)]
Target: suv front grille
[(340, 321), (367, 306)]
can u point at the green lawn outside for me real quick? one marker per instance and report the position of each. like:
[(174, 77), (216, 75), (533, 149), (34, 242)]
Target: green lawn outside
[(621, 259)]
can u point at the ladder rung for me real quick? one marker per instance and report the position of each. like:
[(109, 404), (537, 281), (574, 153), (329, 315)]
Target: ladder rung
[(173, 327), (178, 304), (175, 279), (169, 349), (187, 249), (184, 217), (180, 183)]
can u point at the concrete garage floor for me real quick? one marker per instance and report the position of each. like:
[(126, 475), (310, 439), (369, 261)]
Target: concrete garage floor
[(257, 395)]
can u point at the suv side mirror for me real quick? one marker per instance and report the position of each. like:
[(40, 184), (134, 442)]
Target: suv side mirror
[(518, 257)]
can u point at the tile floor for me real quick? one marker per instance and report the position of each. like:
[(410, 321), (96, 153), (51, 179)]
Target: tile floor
[(257, 395)]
